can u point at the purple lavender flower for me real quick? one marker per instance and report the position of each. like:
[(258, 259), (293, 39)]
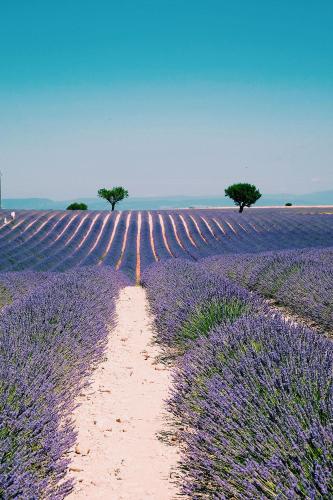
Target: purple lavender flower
[(301, 280), (254, 397), (49, 341)]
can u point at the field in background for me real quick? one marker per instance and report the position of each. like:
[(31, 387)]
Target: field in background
[(130, 241)]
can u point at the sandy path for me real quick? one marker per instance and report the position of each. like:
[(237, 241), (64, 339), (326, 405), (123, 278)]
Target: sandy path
[(118, 455)]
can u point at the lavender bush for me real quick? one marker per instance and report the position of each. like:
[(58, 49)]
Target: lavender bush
[(49, 340), (257, 413), (254, 395), (301, 280), (14, 285), (180, 292)]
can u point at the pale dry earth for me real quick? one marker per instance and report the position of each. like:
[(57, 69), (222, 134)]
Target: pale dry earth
[(118, 454)]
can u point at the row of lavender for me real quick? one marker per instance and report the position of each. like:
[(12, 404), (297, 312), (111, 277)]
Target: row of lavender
[(53, 330), (58, 241), (253, 394), (301, 280), (13, 285)]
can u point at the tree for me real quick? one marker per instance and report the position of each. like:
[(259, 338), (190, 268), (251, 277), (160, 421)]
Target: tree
[(77, 206), (113, 195), (243, 194)]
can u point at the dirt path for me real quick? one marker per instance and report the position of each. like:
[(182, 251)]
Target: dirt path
[(118, 455)]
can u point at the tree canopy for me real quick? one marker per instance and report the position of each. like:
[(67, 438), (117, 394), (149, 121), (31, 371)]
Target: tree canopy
[(113, 195), (243, 194), (77, 206)]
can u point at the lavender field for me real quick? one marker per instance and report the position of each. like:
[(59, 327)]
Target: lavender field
[(130, 241), (252, 392)]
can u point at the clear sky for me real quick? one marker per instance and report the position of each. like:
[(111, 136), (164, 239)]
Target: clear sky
[(165, 96)]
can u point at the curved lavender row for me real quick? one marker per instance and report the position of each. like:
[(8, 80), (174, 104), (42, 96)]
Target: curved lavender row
[(177, 287), (59, 240), (49, 339), (256, 402), (301, 280), (255, 397), (41, 245)]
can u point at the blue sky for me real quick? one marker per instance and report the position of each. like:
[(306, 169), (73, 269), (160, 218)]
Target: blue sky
[(165, 97)]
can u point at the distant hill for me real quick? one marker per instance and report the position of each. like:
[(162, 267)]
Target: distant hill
[(319, 198), (155, 203)]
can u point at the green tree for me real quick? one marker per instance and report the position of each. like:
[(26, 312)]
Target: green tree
[(77, 206), (243, 194), (113, 195)]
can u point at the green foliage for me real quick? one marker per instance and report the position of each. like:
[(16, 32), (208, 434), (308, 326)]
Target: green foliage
[(5, 296), (243, 194), (207, 316), (113, 195), (288, 204), (77, 206)]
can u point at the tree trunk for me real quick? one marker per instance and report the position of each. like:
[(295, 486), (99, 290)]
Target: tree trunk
[(241, 208), (113, 205)]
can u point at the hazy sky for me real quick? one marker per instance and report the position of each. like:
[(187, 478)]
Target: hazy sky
[(165, 96)]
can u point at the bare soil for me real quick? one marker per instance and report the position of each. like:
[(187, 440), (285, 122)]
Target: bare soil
[(119, 452)]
